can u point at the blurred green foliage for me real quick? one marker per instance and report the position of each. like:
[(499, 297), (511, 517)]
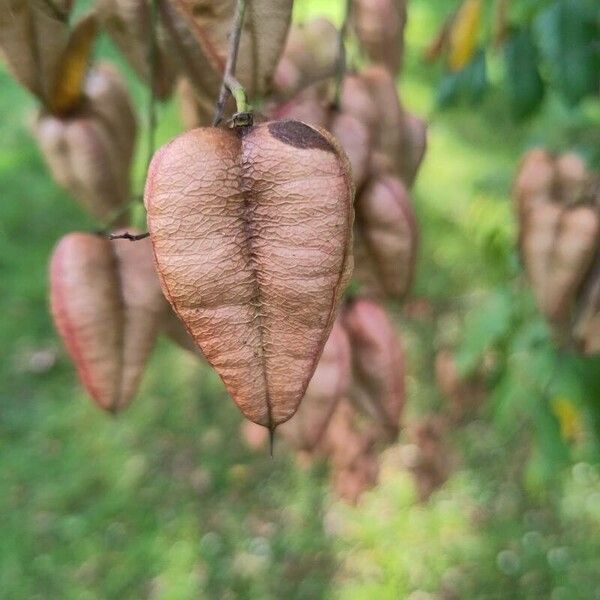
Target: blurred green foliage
[(166, 503)]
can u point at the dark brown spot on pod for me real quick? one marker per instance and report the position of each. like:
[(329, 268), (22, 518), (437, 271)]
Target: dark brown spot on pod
[(299, 135)]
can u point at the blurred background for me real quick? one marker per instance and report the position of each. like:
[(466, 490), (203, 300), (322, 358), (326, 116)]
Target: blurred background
[(168, 502)]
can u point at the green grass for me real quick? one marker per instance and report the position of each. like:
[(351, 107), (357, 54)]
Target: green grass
[(165, 502)]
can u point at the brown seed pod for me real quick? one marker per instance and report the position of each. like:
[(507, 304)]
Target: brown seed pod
[(571, 178), (129, 24), (558, 246), (350, 445), (107, 305), (535, 180), (175, 330), (378, 388), (379, 26), (89, 153), (389, 234), (268, 208), (33, 36), (355, 138), (328, 385), (200, 32), (415, 146), (587, 324), (310, 55), (309, 106)]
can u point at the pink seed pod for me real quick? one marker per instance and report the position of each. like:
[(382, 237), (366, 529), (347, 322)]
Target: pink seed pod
[(129, 24), (89, 152), (387, 229), (379, 26), (107, 306), (378, 386), (328, 386)]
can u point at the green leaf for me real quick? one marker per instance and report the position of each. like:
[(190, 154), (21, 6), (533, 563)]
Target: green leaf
[(567, 35), (524, 82), (468, 84)]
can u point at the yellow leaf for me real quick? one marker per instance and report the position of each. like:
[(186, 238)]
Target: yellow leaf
[(67, 91), (463, 35), (568, 417)]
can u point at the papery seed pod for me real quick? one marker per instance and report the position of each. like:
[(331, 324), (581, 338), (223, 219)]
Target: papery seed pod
[(378, 388), (33, 36), (571, 177), (379, 26), (328, 386), (388, 230), (357, 100), (129, 24), (107, 304), (388, 134), (310, 55), (200, 30), (535, 180), (415, 145), (350, 446), (269, 210), (586, 330), (89, 152), (558, 246), (182, 40), (355, 138)]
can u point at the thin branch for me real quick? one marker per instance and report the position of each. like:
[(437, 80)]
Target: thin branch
[(230, 83), (152, 58), (340, 70), (128, 236)]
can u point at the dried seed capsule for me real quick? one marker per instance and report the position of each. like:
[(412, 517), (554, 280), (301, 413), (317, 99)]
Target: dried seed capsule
[(107, 305), (251, 229)]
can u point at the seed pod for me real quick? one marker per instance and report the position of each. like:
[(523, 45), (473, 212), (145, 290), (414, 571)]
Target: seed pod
[(415, 145), (357, 100), (535, 180), (571, 177), (388, 230), (350, 446), (268, 208), (129, 24), (355, 138), (310, 55), (388, 133), (558, 246), (377, 365), (328, 385), (107, 304), (587, 325), (89, 153), (379, 26), (33, 36), (200, 31)]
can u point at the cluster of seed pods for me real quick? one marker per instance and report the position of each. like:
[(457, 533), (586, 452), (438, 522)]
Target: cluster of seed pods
[(558, 207), (251, 225)]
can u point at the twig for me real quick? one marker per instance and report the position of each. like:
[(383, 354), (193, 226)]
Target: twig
[(340, 70), (230, 83), (152, 57), (128, 236)]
